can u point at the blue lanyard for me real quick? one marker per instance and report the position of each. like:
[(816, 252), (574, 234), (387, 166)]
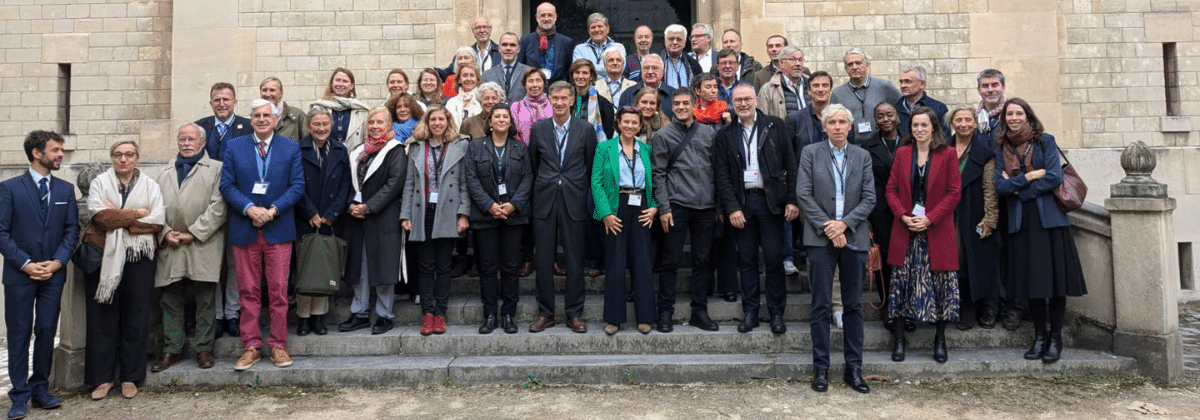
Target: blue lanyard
[(264, 163)]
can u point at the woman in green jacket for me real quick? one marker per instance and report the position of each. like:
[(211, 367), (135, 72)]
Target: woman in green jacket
[(622, 192)]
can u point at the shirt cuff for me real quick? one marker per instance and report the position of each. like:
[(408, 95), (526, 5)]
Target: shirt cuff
[(244, 209)]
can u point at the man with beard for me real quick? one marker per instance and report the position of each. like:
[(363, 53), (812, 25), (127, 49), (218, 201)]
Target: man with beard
[(545, 48)]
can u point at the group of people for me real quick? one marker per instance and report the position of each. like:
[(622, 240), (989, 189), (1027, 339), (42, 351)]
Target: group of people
[(539, 143)]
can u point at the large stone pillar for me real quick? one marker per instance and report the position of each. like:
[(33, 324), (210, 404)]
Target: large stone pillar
[(1145, 268), (67, 372)]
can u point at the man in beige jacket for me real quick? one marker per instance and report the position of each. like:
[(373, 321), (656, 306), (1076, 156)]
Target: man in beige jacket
[(192, 244)]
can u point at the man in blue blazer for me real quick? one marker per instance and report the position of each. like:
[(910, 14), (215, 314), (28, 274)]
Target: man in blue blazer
[(39, 226), (555, 58), (262, 180), (220, 128)]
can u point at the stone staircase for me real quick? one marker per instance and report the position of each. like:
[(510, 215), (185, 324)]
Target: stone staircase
[(463, 356)]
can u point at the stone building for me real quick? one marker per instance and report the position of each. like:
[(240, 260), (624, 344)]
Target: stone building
[(1100, 73)]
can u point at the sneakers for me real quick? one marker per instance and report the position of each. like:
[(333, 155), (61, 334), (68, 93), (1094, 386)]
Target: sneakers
[(248, 359), (790, 268), (837, 319), (279, 355), (439, 324), (427, 325)]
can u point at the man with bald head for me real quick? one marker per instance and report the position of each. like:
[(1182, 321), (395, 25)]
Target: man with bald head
[(643, 38), (545, 48), (862, 93), (746, 65), (487, 53)]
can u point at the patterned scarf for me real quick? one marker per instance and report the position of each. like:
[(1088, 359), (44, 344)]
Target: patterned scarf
[(1016, 165), (372, 145), (985, 117)]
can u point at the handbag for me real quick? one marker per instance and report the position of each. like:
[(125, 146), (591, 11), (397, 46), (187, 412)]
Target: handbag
[(87, 257), (1071, 193), (320, 260), (874, 265)]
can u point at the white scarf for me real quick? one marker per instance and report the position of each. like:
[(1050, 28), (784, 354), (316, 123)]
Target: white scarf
[(119, 245), (338, 103)]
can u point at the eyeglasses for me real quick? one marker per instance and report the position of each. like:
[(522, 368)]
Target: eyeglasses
[(126, 155)]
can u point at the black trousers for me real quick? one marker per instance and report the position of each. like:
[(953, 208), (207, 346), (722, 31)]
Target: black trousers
[(117, 332), (700, 224), (628, 249), (558, 228), (435, 258), (724, 258), (764, 229), (498, 251)]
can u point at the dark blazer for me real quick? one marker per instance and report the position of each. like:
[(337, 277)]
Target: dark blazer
[(816, 189), (881, 166), (493, 54), (606, 115), (379, 233), (806, 128), (942, 192), (980, 253), (326, 189), (749, 67), (572, 178), (531, 55), (26, 236), (482, 185), (286, 177), (514, 91), (664, 98), (216, 143), (776, 163), (1016, 190), (905, 113)]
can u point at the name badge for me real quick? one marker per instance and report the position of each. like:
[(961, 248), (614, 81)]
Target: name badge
[(358, 197), (635, 199), (433, 198), (503, 189), (750, 176), (260, 188), (864, 127), (918, 210)]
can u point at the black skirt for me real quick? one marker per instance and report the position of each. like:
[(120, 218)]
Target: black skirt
[(1042, 263)]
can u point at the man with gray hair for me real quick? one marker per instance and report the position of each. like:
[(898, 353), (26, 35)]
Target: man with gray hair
[(785, 94), (912, 87), (487, 55), (702, 47), (189, 266), (613, 84), (652, 73), (990, 84), (862, 93), (293, 123), (678, 67), (594, 49)]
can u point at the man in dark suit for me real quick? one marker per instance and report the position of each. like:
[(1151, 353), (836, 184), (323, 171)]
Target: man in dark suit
[(837, 190), (756, 178), (652, 73), (545, 48), (220, 128), (261, 180), (39, 225), (508, 72), (561, 150), (487, 55)]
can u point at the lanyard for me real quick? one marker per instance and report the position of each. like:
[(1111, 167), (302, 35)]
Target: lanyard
[(680, 71), (840, 171), (749, 142), (437, 160), (264, 162), (632, 162), (483, 57), (562, 143), (862, 100), (500, 152), (596, 50)]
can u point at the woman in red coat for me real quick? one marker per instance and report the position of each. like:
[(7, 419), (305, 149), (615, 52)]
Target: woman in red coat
[(923, 191)]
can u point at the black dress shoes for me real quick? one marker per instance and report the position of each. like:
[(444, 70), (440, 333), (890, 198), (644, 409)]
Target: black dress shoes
[(731, 296), (1053, 348), (354, 323), (219, 327), (303, 328), (820, 382), (702, 321), (233, 328), (317, 324), (1038, 348), (381, 326), (939, 350), (777, 325), (509, 326), (489, 324), (749, 323), (854, 379), (665, 325)]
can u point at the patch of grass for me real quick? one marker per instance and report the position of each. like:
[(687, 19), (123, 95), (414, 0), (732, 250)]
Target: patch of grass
[(628, 377), (532, 382)]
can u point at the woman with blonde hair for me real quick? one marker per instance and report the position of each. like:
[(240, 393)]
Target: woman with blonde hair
[(646, 100), (465, 105)]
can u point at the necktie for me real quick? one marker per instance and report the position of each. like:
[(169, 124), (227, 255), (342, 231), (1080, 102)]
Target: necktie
[(508, 76), (44, 190), (262, 149), (221, 127)]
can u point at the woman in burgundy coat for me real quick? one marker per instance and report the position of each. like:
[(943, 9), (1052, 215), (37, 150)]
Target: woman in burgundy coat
[(923, 191)]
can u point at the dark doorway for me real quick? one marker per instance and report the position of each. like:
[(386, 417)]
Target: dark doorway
[(623, 16)]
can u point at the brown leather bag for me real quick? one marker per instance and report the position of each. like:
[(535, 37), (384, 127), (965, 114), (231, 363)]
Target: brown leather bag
[(874, 265), (1071, 193)]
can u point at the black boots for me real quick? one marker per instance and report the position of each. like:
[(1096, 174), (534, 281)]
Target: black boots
[(898, 342), (1038, 349), (303, 328), (939, 343), (317, 324), (1053, 348)]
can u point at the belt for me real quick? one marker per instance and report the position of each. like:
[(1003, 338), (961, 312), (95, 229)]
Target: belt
[(632, 190), (756, 191)]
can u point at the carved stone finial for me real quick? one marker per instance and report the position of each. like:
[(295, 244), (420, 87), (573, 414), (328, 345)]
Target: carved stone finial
[(1138, 161), (89, 172)]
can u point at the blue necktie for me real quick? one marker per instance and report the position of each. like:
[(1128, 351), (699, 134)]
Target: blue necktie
[(221, 130), (44, 190)]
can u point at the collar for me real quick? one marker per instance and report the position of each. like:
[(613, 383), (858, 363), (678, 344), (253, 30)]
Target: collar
[(611, 81), (267, 140), (38, 177), (706, 54), (607, 43), (836, 149), (729, 86), (753, 120), (488, 49), (228, 122), (866, 83), (914, 104), (512, 64), (562, 126)]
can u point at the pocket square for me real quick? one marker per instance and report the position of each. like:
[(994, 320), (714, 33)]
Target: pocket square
[(59, 203)]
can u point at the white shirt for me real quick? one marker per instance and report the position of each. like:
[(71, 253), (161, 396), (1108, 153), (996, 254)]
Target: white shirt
[(751, 155), (705, 60)]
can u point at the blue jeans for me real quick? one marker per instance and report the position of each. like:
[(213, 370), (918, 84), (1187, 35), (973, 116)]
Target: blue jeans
[(852, 264)]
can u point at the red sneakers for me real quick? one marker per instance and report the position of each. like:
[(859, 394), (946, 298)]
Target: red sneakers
[(439, 324), (427, 325)]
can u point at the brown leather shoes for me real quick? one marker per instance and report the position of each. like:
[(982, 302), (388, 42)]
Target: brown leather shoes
[(166, 362), (205, 360), (279, 355), (249, 357), (540, 324), (526, 268), (577, 325)]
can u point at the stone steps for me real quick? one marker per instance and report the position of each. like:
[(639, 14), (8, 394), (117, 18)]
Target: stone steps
[(528, 285), (403, 370)]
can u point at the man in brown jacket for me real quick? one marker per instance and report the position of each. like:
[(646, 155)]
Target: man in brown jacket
[(192, 244)]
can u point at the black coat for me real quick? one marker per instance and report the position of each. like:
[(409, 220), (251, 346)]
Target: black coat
[(482, 185), (979, 255), (572, 178), (881, 166), (776, 163), (326, 189), (379, 233)]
